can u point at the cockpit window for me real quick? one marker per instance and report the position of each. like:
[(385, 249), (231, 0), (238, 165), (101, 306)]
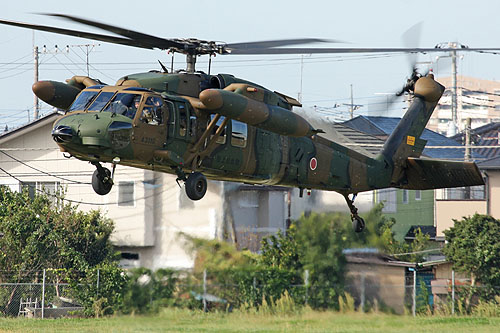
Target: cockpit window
[(83, 100), (124, 104), (100, 101)]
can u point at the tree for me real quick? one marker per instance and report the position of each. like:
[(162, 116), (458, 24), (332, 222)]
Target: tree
[(473, 246), (42, 233), (38, 234)]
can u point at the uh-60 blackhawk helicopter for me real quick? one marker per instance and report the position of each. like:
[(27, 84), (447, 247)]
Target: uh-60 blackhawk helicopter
[(200, 126)]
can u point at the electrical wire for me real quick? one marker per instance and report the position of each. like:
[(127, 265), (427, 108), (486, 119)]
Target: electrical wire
[(41, 171), (85, 202)]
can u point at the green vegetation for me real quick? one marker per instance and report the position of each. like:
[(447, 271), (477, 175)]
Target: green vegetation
[(41, 233), (49, 233), (473, 246), (177, 320)]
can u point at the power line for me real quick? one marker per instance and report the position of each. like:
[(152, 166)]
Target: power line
[(41, 171)]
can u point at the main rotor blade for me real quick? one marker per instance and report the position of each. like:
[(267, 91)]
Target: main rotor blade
[(411, 38), (154, 41), (278, 42), (356, 50), (82, 34)]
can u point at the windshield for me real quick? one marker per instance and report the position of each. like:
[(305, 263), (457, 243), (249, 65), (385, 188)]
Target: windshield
[(124, 104), (100, 101), (83, 100)]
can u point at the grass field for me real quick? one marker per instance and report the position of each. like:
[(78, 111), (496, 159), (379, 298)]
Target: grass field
[(174, 320)]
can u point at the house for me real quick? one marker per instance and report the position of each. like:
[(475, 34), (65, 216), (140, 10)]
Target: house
[(373, 277), (487, 137), (452, 205), (408, 207), (477, 99)]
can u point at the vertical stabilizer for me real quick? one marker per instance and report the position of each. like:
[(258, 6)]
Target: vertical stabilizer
[(405, 140)]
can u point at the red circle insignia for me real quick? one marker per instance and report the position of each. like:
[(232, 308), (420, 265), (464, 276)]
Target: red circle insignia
[(313, 163)]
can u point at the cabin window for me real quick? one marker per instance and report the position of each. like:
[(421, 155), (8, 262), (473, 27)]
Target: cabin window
[(126, 194), (222, 138), (152, 113), (83, 100), (182, 119), (239, 134), (101, 101), (192, 126), (124, 104)]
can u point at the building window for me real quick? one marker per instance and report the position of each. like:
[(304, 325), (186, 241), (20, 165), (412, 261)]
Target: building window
[(248, 199), (405, 196), (388, 198), (239, 134), (126, 194), (418, 195), (130, 255), (129, 260), (50, 188), (462, 193)]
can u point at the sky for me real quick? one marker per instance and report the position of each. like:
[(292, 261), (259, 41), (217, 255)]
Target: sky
[(324, 80)]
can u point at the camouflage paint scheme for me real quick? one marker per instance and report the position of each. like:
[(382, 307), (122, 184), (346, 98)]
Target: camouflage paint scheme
[(281, 148)]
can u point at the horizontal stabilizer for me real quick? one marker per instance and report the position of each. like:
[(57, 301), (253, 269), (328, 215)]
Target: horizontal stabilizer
[(426, 174)]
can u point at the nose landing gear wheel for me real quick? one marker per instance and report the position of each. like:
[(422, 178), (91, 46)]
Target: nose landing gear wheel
[(101, 181), (196, 186)]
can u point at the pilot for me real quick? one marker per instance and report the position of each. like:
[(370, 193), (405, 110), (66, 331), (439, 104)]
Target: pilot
[(148, 116), (132, 109)]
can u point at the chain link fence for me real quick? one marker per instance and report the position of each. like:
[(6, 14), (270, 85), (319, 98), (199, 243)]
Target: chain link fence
[(41, 294), (46, 294)]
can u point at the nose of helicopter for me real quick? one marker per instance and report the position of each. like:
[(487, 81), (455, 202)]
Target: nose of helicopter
[(102, 133), (82, 130)]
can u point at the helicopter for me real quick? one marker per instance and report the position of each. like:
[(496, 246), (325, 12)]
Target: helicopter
[(201, 126)]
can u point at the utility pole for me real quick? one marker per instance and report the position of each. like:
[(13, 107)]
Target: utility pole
[(351, 109), (454, 117), (36, 108), (36, 57), (468, 153), (301, 72), (453, 126), (88, 48), (352, 106)]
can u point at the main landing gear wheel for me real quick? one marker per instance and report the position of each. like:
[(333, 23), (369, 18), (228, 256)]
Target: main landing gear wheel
[(102, 181), (196, 186), (358, 224)]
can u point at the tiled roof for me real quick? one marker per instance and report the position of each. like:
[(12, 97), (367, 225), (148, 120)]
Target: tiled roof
[(376, 125), (354, 139), (492, 163), (486, 135)]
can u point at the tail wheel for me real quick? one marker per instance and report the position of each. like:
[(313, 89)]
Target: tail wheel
[(101, 181), (196, 186)]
